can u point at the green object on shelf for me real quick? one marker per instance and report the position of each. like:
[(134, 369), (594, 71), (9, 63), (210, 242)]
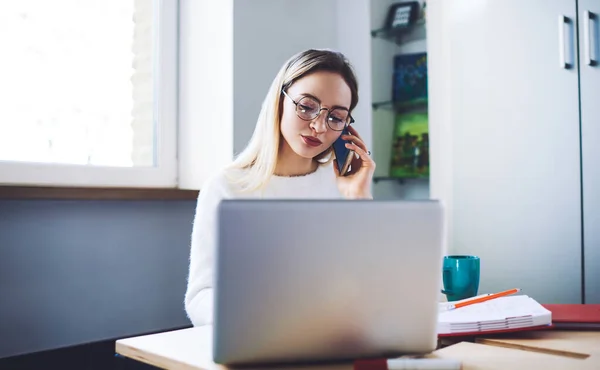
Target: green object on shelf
[(410, 146)]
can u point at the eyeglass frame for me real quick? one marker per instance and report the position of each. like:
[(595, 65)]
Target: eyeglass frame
[(320, 110)]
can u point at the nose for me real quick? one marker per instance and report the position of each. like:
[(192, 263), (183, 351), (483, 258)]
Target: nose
[(319, 124)]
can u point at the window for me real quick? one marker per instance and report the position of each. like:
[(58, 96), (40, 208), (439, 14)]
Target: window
[(88, 92)]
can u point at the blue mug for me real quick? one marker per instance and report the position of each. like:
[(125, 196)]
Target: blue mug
[(460, 276)]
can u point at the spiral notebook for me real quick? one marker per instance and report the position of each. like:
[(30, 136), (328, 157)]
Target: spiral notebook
[(511, 313)]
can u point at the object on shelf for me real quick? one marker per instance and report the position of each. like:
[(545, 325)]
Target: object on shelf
[(410, 146), (409, 84), (401, 16)]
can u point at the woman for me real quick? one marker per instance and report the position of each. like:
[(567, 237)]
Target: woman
[(289, 156)]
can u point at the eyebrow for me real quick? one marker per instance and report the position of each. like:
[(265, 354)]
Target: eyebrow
[(319, 100)]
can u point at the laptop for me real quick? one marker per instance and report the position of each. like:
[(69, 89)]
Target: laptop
[(313, 281)]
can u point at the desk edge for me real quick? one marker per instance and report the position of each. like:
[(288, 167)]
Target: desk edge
[(154, 360)]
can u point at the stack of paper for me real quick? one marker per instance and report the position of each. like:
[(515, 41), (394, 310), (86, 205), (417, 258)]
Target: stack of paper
[(504, 313)]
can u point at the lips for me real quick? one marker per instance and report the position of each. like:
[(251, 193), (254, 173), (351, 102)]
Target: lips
[(311, 140)]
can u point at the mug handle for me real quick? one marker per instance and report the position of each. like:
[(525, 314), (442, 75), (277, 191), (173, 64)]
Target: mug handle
[(445, 271)]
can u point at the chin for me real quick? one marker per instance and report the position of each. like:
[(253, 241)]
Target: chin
[(308, 153)]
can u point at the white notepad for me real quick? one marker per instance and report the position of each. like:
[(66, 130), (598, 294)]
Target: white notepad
[(511, 312)]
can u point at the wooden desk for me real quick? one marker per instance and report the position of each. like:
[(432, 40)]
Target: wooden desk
[(186, 349), (576, 344), (191, 349), (480, 356), (178, 349)]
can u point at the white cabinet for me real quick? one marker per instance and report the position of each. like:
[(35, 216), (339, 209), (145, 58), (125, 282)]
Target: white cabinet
[(507, 85), (589, 71)]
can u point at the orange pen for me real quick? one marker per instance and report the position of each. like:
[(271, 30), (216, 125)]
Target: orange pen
[(483, 299)]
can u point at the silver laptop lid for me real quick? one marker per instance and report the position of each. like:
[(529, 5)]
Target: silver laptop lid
[(326, 280)]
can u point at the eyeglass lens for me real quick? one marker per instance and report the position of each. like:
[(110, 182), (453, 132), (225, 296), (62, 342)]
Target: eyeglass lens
[(308, 109)]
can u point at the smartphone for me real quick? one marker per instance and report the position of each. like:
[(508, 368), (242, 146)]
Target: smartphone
[(343, 155)]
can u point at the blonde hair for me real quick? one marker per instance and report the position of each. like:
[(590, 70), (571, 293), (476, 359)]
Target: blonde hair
[(259, 157)]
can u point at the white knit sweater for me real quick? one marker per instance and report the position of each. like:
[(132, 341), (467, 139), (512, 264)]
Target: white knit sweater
[(199, 294)]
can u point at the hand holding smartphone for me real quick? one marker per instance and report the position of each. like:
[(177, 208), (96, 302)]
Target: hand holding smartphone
[(343, 155)]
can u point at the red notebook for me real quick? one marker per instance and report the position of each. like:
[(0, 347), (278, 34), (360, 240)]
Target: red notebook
[(575, 316)]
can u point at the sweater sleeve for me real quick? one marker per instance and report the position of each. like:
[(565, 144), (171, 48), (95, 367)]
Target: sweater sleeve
[(199, 293)]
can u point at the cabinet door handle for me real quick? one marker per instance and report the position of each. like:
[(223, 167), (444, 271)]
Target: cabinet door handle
[(589, 35), (563, 50)]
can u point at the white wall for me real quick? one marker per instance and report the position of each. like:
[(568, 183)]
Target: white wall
[(205, 89), (265, 34), (354, 40), (440, 102)]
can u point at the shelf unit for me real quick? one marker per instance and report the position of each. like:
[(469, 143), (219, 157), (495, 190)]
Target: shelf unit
[(400, 36), (384, 45), (377, 179), (400, 180), (401, 106)]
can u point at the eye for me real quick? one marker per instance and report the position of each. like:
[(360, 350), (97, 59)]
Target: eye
[(306, 108), (338, 117), (308, 105)]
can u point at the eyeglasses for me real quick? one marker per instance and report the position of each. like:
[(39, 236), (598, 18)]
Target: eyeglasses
[(308, 109)]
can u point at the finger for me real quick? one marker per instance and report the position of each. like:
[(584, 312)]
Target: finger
[(362, 153), (355, 164), (353, 131), (356, 140)]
